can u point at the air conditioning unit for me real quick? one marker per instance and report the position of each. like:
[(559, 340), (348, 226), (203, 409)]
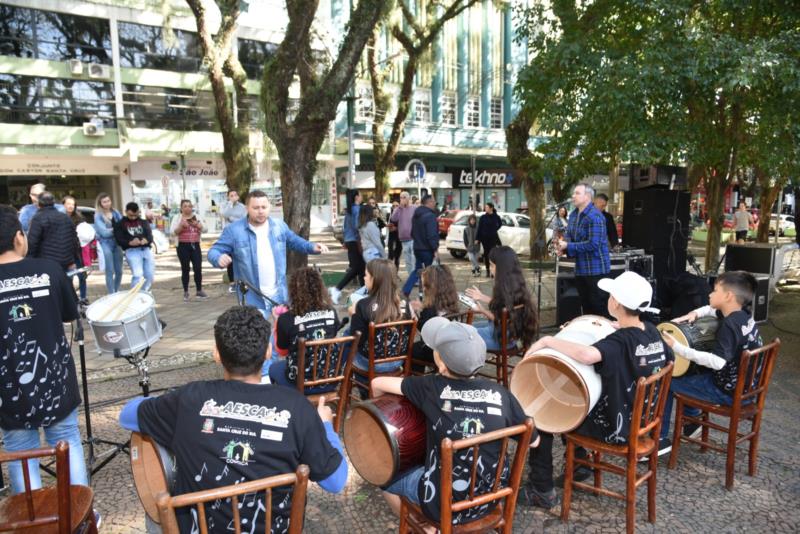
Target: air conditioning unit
[(96, 70), (93, 129), (76, 67)]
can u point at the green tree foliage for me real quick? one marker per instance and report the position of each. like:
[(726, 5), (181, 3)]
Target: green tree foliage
[(713, 84)]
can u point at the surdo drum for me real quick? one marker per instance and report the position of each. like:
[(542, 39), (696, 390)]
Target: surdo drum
[(153, 469), (699, 335), (385, 437), (124, 322), (557, 391)]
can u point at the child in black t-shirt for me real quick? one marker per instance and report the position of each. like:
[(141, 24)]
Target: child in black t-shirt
[(737, 332), (456, 406), (633, 351), (440, 297), (228, 431), (310, 316)]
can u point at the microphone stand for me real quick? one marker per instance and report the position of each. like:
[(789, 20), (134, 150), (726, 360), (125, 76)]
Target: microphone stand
[(245, 286)]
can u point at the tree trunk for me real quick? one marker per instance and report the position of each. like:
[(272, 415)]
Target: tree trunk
[(769, 194), (534, 195), (377, 75), (715, 201)]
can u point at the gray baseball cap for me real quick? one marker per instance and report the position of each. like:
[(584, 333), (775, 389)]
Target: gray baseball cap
[(459, 345)]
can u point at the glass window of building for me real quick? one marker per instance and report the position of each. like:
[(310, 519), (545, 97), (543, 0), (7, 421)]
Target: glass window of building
[(448, 108), (253, 55), (249, 112), (32, 33), (473, 111), (153, 47), (54, 101), (365, 109), (167, 108), (422, 106), (496, 114)]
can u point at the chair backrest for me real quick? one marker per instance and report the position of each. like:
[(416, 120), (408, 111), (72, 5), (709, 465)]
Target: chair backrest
[(648, 407), (328, 363), (298, 479), (34, 521), (391, 342), (505, 326), (755, 373), (464, 316), (506, 491)]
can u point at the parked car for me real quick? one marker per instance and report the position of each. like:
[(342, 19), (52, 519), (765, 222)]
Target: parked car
[(445, 220), (786, 222), (514, 233)]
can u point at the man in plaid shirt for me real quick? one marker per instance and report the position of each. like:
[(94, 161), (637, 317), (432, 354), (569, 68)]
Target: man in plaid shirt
[(587, 242)]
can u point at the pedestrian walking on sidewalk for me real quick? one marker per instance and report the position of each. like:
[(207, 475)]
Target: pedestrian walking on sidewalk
[(232, 211), (488, 226), (352, 242), (188, 229), (425, 233), (402, 218), (104, 219)]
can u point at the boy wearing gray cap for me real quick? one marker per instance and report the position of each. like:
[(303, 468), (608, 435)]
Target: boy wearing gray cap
[(456, 405)]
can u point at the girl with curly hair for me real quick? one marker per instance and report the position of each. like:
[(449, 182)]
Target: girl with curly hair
[(311, 316), (510, 290)]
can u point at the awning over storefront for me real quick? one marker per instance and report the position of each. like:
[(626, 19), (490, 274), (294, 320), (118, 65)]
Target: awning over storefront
[(400, 180)]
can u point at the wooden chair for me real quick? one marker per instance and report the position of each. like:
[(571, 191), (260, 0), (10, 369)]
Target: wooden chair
[(298, 479), (500, 358), (648, 408), (407, 329), (501, 518), (61, 509), (755, 372), (319, 354), (464, 316)]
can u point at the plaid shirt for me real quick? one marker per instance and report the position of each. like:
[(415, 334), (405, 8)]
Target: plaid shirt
[(588, 242)]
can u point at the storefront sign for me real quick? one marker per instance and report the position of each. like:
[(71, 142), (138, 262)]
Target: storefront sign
[(486, 178), (28, 166), (171, 169)]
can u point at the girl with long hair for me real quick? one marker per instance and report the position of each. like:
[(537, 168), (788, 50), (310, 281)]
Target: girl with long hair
[(188, 228), (440, 297), (352, 242), (310, 315), (381, 305), (510, 290), (104, 218), (370, 234)]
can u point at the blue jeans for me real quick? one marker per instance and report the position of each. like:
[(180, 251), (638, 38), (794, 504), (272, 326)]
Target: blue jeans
[(700, 386), (408, 254), (112, 256), (277, 375), (142, 263), (486, 331), (362, 362), (21, 440), (423, 258), (407, 485)]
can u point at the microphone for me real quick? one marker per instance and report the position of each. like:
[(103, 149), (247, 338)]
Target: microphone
[(563, 203), (245, 286)]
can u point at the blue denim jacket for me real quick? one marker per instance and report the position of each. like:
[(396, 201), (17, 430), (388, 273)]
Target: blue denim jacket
[(105, 231), (239, 242), (350, 225)]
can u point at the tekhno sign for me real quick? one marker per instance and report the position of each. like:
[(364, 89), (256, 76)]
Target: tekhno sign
[(485, 178)]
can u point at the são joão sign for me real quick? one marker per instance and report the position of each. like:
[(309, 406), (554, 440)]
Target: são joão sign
[(485, 178)]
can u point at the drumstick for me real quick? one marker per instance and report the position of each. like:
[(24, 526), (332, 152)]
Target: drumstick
[(123, 304)]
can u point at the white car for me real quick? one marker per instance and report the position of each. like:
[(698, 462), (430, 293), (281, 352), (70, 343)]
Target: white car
[(514, 233), (787, 222)]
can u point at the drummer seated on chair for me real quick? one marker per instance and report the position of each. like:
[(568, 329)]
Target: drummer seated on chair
[(634, 350), (227, 431), (456, 405), (737, 332)]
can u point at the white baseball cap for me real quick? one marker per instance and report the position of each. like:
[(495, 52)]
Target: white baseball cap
[(631, 290)]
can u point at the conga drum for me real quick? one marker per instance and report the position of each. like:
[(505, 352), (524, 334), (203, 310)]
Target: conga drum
[(153, 469), (557, 391), (384, 438), (699, 335)]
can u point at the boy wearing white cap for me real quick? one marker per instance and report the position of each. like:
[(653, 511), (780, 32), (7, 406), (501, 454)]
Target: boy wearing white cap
[(456, 406), (634, 350)]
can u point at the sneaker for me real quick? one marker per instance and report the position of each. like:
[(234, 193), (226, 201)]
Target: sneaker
[(664, 446), (692, 430), (530, 496), (201, 295), (579, 474), (335, 294), (185, 296)]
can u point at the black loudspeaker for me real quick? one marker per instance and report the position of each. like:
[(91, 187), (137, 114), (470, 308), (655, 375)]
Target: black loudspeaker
[(640, 176), (568, 302), (760, 304), (756, 258), (657, 220)]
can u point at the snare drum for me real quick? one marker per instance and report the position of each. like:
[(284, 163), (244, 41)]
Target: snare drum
[(130, 330), (384, 438), (153, 469), (699, 335)]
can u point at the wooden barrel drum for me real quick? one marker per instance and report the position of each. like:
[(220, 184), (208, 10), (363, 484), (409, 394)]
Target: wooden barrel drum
[(699, 335), (153, 469), (385, 437)]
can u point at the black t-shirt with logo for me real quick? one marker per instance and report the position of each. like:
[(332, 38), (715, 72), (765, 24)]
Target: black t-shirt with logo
[(737, 332), (458, 409), (38, 384), (314, 325), (397, 343), (627, 355), (226, 432)]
